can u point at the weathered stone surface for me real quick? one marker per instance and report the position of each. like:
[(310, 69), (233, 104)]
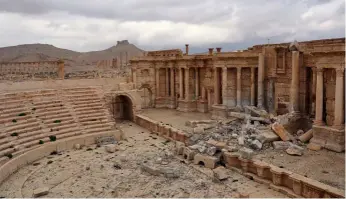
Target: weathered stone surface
[(211, 151), (150, 169), (198, 130), (295, 150), (267, 136), (246, 153), (170, 172), (255, 144), (111, 148), (40, 192), (217, 144), (281, 145), (105, 140), (221, 173), (280, 131), (254, 111), (241, 140), (77, 146), (306, 136), (314, 147)]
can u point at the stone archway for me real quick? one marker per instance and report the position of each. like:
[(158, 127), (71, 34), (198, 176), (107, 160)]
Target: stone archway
[(122, 108)]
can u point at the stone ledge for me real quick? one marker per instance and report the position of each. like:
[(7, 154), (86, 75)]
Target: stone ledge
[(20, 161), (287, 182)]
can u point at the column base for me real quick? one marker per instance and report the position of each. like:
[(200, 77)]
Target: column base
[(187, 106), (329, 138), (319, 123), (202, 106), (219, 111)]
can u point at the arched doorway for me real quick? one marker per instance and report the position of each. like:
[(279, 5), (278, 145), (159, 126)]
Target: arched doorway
[(146, 96), (122, 108)]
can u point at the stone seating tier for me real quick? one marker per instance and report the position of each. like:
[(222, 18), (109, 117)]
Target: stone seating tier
[(79, 111)]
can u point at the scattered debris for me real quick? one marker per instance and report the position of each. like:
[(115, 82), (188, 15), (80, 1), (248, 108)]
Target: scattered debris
[(306, 136), (221, 173), (246, 153), (314, 147), (280, 131), (281, 145), (111, 148), (295, 150)]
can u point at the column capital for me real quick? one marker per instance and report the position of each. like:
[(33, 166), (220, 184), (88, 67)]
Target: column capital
[(319, 70), (224, 68)]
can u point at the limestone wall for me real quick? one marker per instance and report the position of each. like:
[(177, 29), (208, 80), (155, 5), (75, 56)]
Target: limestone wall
[(19, 71)]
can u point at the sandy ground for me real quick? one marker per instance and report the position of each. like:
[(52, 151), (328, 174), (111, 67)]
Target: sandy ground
[(175, 118), (325, 166), (90, 172)]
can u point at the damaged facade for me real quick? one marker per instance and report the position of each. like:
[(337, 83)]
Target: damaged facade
[(301, 80)]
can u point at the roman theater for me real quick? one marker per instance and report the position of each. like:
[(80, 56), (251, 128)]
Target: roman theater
[(267, 121)]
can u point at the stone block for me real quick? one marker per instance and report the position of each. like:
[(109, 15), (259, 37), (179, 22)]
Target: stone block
[(217, 144), (267, 136), (221, 173), (188, 154), (207, 161), (314, 147), (306, 136), (150, 169), (280, 131), (111, 148), (246, 153), (281, 145), (42, 191)]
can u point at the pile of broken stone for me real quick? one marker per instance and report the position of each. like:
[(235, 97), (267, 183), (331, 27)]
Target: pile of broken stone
[(253, 130)]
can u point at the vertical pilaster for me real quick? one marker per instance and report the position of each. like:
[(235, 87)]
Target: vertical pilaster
[(253, 86), (224, 86), (181, 84), (339, 99), (313, 96), (197, 83), (157, 81), (260, 97), (172, 83), (294, 90), (319, 97), (187, 86), (239, 87), (216, 87), (203, 93), (167, 82)]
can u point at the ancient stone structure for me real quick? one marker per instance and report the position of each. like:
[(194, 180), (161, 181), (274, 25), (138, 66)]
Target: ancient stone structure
[(32, 70), (302, 79)]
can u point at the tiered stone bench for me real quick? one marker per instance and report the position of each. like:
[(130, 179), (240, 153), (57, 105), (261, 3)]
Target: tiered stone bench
[(293, 185)]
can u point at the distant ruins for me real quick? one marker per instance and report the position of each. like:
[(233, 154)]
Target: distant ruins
[(303, 80)]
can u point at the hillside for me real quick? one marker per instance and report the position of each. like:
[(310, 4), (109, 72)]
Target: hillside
[(46, 52)]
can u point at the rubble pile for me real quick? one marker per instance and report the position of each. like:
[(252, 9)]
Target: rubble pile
[(255, 130)]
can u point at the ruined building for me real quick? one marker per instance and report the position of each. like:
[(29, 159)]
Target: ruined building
[(304, 79)]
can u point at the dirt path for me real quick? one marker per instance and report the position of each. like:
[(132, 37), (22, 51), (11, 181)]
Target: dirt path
[(91, 173)]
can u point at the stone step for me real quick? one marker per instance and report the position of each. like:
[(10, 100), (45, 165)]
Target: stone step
[(34, 143), (86, 91), (98, 130), (25, 130), (82, 116), (14, 114), (92, 118), (62, 123), (79, 89), (100, 125), (86, 101), (21, 122), (48, 109), (52, 118), (94, 122), (10, 107), (28, 134), (56, 112), (4, 103), (88, 106), (66, 126), (89, 111), (40, 104), (6, 145), (81, 95), (15, 109), (18, 118), (6, 151), (21, 126)]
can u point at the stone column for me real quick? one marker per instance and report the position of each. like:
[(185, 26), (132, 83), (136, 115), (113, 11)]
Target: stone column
[(313, 97), (203, 93), (339, 99), (167, 82), (253, 86), (238, 86), (134, 76), (319, 97), (260, 92), (209, 99), (216, 87), (187, 86), (294, 90), (197, 83), (157, 81), (181, 84), (224, 86), (172, 83)]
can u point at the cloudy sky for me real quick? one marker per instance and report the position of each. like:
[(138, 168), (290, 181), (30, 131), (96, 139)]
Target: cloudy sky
[(85, 25)]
